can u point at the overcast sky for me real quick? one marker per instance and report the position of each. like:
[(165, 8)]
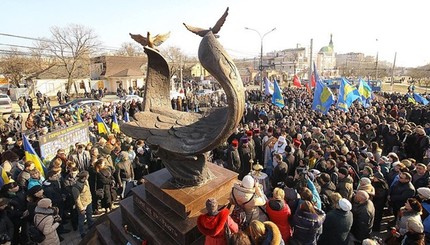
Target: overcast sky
[(399, 26)]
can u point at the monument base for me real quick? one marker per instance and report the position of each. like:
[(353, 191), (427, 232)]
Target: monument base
[(162, 214)]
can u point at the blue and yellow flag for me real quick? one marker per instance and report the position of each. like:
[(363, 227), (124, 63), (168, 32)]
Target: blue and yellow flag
[(115, 125), (277, 98), (30, 155), (323, 97), (365, 92), (4, 177), (411, 98), (347, 95), (101, 125), (268, 87), (420, 99)]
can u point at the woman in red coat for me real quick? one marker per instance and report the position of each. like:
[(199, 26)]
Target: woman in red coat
[(213, 224), (279, 213)]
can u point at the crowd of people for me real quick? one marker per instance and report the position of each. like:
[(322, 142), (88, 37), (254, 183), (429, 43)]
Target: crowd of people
[(339, 178), (348, 168)]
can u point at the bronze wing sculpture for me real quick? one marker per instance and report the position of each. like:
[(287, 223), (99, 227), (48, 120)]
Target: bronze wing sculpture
[(182, 138), (149, 40)]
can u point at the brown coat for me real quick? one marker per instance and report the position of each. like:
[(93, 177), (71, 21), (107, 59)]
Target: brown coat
[(84, 197)]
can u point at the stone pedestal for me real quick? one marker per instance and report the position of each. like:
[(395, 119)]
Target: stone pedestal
[(163, 214)]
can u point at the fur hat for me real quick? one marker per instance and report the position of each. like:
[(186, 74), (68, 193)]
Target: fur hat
[(424, 191), (248, 182), (415, 225), (345, 205), (44, 203), (212, 206), (10, 141)]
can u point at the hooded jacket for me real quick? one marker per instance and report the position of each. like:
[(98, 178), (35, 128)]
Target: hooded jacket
[(336, 228), (279, 213), (212, 226)]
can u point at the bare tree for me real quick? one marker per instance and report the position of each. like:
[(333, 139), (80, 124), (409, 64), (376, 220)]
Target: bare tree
[(72, 47), (130, 49), (177, 60)]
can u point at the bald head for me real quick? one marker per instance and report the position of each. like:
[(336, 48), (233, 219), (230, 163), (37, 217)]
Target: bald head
[(361, 196)]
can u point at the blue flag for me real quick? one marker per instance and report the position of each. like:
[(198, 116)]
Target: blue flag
[(365, 92), (323, 97), (420, 99), (115, 125), (277, 98), (268, 87), (347, 95), (101, 125)]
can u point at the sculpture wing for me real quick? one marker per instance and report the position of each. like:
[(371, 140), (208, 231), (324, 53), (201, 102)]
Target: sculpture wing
[(220, 22), (196, 30), (160, 38), (140, 39)]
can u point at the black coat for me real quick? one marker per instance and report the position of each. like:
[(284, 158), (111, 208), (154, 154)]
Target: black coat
[(336, 227), (364, 215), (6, 226), (399, 193)]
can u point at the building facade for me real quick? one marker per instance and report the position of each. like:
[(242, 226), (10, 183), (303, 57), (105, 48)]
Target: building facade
[(326, 61)]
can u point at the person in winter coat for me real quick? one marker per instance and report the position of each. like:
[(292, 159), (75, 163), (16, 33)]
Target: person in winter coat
[(380, 198), (424, 196), (124, 172), (265, 233), (104, 180), (82, 196), (345, 184), (364, 213), (233, 157), (280, 172), (17, 204), (46, 220), (214, 222), (327, 189), (400, 192), (338, 222), (307, 222), (250, 196), (6, 225), (279, 213)]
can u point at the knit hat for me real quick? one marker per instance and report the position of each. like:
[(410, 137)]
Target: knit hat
[(345, 205), (44, 203), (248, 182), (33, 190), (343, 171), (212, 206), (424, 191)]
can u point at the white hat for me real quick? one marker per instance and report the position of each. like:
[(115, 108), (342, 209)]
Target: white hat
[(345, 205), (424, 191), (365, 181), (10, 141), (248, 182), (281, 139), (45, 129), (140, 150)]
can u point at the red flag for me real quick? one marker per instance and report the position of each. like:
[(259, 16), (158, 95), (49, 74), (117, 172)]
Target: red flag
[(296, 81), (308, 89), (313, 83)]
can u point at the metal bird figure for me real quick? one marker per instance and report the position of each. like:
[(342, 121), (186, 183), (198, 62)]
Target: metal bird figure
[(215, 29), (149, 40)]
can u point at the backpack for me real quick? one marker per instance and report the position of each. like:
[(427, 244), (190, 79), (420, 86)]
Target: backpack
[(34, 233), (238, 214)]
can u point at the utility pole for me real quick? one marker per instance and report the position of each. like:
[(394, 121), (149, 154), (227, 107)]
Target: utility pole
[(310, 64), (392, 71), (377, 54)]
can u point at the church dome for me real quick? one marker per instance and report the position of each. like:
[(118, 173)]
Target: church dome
[(326, 50)]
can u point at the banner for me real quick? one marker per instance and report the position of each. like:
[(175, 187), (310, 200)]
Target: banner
[(63, 139)]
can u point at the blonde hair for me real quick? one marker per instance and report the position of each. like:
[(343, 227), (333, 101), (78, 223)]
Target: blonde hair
[(335, 198), (278, 193), (256, 231)]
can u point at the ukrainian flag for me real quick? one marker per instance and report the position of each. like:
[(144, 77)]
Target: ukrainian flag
[(30, 155), (101, 125), (115, 125), (268, 87), (347, 95), (420, 99), (365, 92), (277, 98), (4, 177), (323, 97), (411, 99)]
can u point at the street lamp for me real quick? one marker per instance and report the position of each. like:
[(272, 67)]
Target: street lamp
[(261, 53)]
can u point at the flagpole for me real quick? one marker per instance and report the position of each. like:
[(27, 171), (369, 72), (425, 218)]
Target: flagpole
[(310, 64), (392, 71)]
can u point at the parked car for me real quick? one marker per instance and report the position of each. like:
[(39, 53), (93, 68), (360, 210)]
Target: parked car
[(5, 104), (78, 102), (129, 98)]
